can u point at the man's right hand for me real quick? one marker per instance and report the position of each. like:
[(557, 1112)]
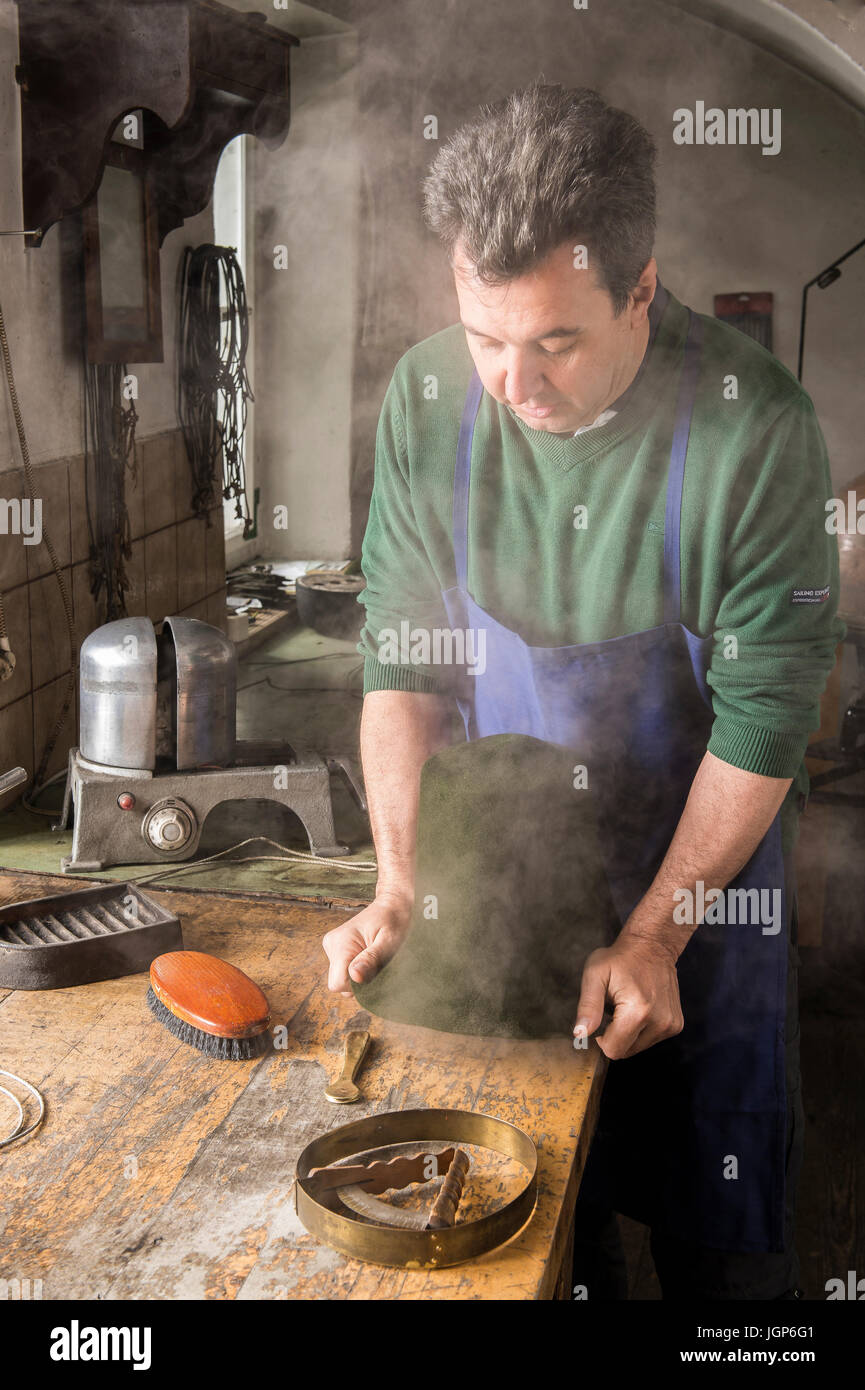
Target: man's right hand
[(359, 948)]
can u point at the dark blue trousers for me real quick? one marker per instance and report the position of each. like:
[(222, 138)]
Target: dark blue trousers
[(694, 1273)]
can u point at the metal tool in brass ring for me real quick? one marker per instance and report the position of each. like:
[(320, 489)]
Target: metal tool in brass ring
[(324, 1215)]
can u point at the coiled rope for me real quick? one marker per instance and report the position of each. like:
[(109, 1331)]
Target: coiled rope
[(212, 382)]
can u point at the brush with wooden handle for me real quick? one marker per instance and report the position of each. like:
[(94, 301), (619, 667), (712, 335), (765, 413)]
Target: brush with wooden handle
[(210, 1004)]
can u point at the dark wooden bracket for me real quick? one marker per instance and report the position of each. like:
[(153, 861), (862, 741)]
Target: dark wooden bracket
[(200, 72)]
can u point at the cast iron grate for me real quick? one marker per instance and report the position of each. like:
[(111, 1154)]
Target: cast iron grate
[(102, 919), (97, 933)]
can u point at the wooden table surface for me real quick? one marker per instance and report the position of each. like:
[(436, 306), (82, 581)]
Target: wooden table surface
[(162, 1174)]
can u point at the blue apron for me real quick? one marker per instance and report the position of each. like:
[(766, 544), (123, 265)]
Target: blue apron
[(691, 1133)]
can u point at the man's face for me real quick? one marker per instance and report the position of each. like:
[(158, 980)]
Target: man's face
[(548, 344)]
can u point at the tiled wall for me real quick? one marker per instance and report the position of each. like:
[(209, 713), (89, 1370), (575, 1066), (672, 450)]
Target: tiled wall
[(177, 566)]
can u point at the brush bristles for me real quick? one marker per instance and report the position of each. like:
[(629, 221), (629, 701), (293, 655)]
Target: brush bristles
[(224, 1049)]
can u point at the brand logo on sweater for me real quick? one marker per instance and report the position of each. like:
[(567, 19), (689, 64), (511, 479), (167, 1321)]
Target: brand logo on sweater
[(732, 907), (736, 126), (434, 646), (810, 595)]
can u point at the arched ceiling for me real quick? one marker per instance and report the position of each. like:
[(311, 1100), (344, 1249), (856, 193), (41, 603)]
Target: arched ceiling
[(823, 38)]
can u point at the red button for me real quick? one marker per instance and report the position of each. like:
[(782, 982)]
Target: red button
[(126, 801)]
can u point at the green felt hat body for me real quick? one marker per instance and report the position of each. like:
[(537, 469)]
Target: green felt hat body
[(510, 895)]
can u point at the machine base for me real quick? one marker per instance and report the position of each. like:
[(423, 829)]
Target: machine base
[(134, 816)]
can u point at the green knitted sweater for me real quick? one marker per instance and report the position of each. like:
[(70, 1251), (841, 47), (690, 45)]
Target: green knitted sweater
[(753, 534)]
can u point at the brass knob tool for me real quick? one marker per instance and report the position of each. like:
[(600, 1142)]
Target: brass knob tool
[(343, 1091)]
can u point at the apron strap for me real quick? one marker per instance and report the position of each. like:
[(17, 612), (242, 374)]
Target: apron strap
[(676, 476), (462, 476)]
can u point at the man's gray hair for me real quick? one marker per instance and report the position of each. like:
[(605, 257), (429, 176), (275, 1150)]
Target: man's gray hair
[(541, 167)]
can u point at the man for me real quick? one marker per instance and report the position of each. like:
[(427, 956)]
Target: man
[(627, 500)]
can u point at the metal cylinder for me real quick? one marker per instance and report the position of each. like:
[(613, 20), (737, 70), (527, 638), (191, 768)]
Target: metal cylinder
[(118, 694), (206, 667)]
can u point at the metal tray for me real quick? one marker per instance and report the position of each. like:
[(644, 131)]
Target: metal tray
[(76, 938)]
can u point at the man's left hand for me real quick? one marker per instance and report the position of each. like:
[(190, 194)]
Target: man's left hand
[(639, 978)]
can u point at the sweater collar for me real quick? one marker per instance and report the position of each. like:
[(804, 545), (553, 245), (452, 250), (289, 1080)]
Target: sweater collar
[(633, 407)]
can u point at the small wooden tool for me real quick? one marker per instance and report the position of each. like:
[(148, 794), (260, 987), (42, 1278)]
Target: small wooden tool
[(343, 1091), (444, 1208), (383, 1177)]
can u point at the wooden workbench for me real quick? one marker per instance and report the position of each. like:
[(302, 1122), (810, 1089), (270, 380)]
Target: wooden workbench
[(161, 1174)]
